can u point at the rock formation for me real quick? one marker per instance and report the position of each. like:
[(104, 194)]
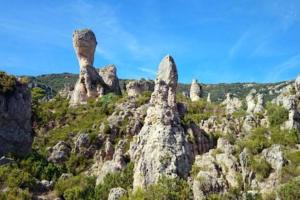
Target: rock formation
[(109, 76), (161, 147), (208, 98), (195, 91), (91, 83), (135, 88), (297, 84), (232, 103), (15, 120)]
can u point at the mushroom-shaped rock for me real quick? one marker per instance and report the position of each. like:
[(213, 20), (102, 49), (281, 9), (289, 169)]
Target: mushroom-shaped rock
[(89, 84), (161, 147), (195, 91)]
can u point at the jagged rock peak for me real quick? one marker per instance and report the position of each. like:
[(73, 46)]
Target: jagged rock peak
[(84, 42), (109, 76), (161, 147), (195, 91), (166, 83)]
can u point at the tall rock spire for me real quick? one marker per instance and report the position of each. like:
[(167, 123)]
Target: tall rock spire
[(161, 148)]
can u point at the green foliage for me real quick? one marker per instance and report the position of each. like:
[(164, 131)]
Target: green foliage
[(122, 179), (76, 188), (261, 167), (256, 141), (7, 83), (77, 163), (166, 188), (37, 93), (37, 165), (293, 168), (15, 194), (290, 191), (276, 114), (143, 98), (200, 110), (285, 137), (13, 177)]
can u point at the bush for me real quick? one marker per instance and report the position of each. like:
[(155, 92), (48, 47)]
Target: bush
[(276, 114), (37, 165), (122, 179), (261, 167), (290, 191), (77, 163), (76, 188), (293, 168), (37, 94), (166, 188), (144, 98), (285, 137), (15, 194), (7, 83), (256, 141)]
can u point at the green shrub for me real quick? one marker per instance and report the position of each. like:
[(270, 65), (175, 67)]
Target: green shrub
[(285, 137), (122, 179), (276, 114), (7, 83), (256, 141), (76, 188), (143, 98), (38, 166), (37, 94), (166, 188), (77, 163), (293, 168), (290, 191), (261, 167), (15, 194)]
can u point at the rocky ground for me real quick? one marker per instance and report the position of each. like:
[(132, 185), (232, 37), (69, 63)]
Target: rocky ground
[(147, 139)]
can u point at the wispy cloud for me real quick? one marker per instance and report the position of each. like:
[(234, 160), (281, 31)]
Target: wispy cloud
[(239, 44), (149, 71), (282, 68)]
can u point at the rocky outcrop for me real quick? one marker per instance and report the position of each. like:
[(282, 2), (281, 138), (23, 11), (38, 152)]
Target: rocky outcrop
[(109, 76), (60, 152), (135, 88), (232, 103), (15, 120), (116, 193), (297, 84), (91, 83), (208, 98), (161, 147), (274, 156), (195, 91)]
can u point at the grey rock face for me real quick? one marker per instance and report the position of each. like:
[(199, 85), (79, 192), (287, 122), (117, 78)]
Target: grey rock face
[(232, 103), (60, 152), (135, 88), (89, 84), (195, 91), (274, 156), (116, 193), (109, 76), (15, 121), (161, 147)]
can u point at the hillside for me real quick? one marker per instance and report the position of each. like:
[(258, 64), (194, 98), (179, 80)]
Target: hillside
[(58, 81)]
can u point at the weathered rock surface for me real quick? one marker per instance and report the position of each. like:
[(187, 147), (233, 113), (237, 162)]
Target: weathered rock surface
[(116, 193), (161, 147), (15, 121), (135, 88), (232, 103), (274, 156), (60, 152), (89, 84), (208, 98), (109, 76), (195, 91)]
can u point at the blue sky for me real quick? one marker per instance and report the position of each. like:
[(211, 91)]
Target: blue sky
[(211, 40)]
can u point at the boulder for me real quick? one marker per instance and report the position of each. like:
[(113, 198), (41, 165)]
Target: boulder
[(161, 147), (116, 193), (274, 156), (195, 91), (110, 78), (60, 152), (16, 134), (135, 88)]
